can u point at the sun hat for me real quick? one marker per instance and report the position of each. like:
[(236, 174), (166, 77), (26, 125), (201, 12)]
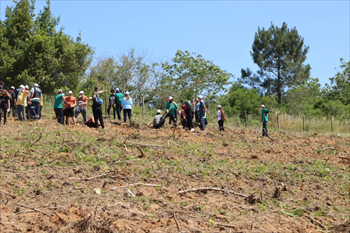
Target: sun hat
[(170, 98), (36, 85), (21, 86), (200, 97), (81, 92), (12, 87), (126, 93), (262, 106), (26, 87), (158, 111), (70, 92), (219, 106), (59, 91)]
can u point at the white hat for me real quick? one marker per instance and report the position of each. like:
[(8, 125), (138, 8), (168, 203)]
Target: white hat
[(21, 86), (81, 92), (12, 87), (36, 85), (200, 97), (70, 92), (117, 89), (262, 106), (126, 93), (219, 106), (26, 86), (158, 111), (170, 98), (59, 91)]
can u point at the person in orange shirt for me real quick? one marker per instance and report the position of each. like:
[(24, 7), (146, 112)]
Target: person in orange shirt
[(70, 102)]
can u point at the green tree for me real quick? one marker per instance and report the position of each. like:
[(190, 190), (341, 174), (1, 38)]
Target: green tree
[(280, 54), (190, 75), (35, 52)]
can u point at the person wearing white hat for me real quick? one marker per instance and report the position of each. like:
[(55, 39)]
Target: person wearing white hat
[(158, 120), (82, 106), (118, 102), (21, 102), (264, 120), (12, 102), (71, 102), (58, 107), (36, 94), (127, 106), (171, 107), (201, 113), (221, 118)]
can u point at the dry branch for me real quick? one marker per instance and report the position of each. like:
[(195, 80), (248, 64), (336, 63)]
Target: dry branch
[(126, 161), (142, 153), (208, 188), (342, 157), (13, 197), (314, 221), (41, 135), (28, 207), (124, 186), (142, 145), (177, 224), (91, 178), (225, 225), (329, 148)]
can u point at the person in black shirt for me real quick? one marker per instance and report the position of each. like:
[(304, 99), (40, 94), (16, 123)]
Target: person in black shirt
[(12, 102), (97, 109), (112, 103), (4, 104)]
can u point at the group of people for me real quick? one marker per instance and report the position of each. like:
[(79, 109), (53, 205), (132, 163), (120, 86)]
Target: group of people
[(23, 102), (64, 107)]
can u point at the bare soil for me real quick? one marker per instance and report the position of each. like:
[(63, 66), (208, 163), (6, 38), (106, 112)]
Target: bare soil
[(75, 179)]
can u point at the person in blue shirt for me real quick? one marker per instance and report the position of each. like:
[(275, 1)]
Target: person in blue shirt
[(36, 94), (201, 112), (127, 106)]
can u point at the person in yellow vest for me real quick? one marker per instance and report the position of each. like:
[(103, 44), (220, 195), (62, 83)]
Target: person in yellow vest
[(21, 103)]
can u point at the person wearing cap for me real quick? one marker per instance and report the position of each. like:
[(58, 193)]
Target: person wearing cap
[(58, 108), (4, 104), (82, 106), (36, 94), (221, 118), (158, 120), (21, 103), (264, 120), (70, 101), (171, 108), (29, 109), (118, 102), (127, 106), (189, 115), (111, 103), (12, 102), (202, 113)]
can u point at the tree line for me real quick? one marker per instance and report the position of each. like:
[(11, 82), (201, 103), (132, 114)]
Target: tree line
[(34, 50)]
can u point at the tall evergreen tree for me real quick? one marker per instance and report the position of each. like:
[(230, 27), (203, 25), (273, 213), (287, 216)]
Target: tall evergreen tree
[(280, 54)]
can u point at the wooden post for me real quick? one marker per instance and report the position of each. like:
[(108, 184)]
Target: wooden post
[(332, 123), (143, 107), (278, 122), (303, 124), (245, 118)]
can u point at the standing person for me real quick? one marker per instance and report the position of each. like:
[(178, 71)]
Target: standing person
[(36, 94), (70, 101), (97, 109), (195, 108), (127, 106), (221, 118), (183, 119), (21, 102), (171, 108), (201, 112), (4, 104), (82, 106), (189, 115), (118, 102), (12, 102), (111, 104), (158, 120), (28, 109), (58, 108), (264, 120)]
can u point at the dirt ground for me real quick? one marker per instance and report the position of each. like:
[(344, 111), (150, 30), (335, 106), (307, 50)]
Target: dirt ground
[(132, 178)]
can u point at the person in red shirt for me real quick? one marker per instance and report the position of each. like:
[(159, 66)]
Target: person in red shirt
[(70, 102)]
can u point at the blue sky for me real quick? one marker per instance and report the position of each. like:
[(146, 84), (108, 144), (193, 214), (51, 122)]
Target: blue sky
[(221, 31)]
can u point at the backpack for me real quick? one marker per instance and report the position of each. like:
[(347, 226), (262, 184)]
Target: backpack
[(98, 101), (223, 115), (189, 107), (112, 100)]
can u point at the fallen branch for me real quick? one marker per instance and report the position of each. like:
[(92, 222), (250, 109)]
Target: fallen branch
[(316, 222), (41, 135), (342, 157), (225, 225), (329, 148), (124, 186), (143, 145), (89, 179), (126, 161), (177, 224), (208, 188), (268, 135), (142, 153), (36, 210)]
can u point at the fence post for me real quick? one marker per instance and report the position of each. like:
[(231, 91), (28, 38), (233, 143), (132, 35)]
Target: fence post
[(303, 124), (278, 122), (143, 107), (245, 118), (332, 123)]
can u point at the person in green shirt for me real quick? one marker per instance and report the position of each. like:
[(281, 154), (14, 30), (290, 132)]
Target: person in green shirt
[(171, 107), (58, 107), (264, 120), (118, 102)]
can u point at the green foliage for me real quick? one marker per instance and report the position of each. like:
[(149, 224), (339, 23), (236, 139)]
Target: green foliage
[(280, 54), (32, 51)]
